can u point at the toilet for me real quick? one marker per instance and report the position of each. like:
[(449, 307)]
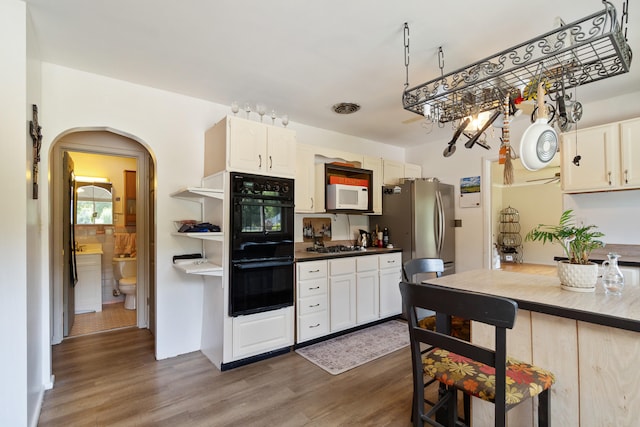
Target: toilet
[(125, 273)]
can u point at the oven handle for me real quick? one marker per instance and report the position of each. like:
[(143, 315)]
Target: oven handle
[(262, 264), (277, 204)]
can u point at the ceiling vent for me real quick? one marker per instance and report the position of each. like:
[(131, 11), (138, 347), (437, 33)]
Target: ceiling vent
[(345, 108)]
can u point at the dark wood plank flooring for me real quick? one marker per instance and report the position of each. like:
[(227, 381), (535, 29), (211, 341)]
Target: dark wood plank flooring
[(112, 379)]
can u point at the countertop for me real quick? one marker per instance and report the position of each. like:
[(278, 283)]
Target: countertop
[(304, 255), (541, 292), (89, 249), (629, 254)]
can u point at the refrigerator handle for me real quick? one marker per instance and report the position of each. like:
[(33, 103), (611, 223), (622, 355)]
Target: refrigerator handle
[(439, 222)]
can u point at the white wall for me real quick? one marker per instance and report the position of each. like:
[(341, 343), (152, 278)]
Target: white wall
[(13, 227), (469, 162), (172, 127)]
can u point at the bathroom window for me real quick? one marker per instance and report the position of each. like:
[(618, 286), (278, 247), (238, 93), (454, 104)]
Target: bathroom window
[(94, 203)]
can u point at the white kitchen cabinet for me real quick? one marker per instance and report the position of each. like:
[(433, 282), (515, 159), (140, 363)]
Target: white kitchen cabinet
[(375, 165), (262, 332), (305, 179), (610, 158), (88, 289), (241, 145), (412, 171), (630, 153), (394, 172), (367, 289), (312, 300), (342, 293), (390, 270)]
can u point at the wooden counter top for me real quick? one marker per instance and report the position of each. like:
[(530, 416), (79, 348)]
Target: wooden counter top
[(542, 293)]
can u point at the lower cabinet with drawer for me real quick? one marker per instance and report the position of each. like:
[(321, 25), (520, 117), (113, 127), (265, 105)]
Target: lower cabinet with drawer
[(340, 293), (312, 300), (390, 276)]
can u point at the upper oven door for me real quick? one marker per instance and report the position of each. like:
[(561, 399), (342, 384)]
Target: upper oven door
[(261, 229), (262, 218)]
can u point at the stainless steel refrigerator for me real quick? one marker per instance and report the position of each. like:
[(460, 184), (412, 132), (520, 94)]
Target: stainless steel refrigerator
[(419, 216)]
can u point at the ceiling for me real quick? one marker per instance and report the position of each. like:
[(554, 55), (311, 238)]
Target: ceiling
[(301, 57)]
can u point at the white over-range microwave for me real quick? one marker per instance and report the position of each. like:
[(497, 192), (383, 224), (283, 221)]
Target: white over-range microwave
[(342, 196)]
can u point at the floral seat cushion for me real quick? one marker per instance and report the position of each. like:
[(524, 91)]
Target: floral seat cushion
[(475, 378)]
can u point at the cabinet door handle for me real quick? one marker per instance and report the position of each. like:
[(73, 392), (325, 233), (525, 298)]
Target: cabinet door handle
[(313, 289), (626, 176), (259, 160), (314, 326), (609, 178), (311, 202), (270, 163), (314, 305)]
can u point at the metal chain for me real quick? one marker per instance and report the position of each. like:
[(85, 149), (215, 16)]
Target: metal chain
[(441, 61), (406, 54), (625, 17)]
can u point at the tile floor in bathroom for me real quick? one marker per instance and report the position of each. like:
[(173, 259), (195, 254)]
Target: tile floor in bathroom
[(112, 316)]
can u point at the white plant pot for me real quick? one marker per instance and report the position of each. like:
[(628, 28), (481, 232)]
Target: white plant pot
[(578, 277)]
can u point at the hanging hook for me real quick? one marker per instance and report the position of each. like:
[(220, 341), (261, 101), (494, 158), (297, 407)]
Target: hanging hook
[(441, 61), (406, 54)]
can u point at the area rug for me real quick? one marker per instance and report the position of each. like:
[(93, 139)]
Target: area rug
[(345, 352)]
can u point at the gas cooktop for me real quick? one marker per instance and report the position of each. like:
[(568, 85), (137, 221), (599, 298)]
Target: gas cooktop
[(333, 249)]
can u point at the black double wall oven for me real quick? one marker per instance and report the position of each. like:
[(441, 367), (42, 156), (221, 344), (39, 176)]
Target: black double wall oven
[(262, 244)]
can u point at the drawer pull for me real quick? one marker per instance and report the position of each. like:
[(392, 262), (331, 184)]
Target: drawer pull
[(314, 305), (314, 271), (393, 261), (313, 289), (314, 326)]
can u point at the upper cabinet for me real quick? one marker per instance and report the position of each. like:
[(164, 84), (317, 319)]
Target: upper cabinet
[(608, 160), (394, 172), (630, 153), (240, 145), (375, 165), (305, 197)]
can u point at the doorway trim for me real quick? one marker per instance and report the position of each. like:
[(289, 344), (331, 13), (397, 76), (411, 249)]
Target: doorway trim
[(126, 145)]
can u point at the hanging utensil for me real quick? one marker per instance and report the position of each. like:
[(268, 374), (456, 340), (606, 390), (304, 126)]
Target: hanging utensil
[(474, 138), (539, 142), (451, 147), (507, 178)]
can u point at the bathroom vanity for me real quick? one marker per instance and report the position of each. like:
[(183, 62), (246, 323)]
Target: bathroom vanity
[(88, 290)]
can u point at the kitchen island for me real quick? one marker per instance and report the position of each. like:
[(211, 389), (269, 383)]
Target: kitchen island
[(591, 341)]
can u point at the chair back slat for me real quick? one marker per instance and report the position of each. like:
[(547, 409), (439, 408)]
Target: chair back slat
[(492, 310), (422, 265)]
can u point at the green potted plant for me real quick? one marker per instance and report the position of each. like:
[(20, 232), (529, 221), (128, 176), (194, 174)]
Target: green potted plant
[(577, 273)]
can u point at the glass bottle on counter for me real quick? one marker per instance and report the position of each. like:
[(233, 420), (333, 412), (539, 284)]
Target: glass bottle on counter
[(612, 278), (385, 237)]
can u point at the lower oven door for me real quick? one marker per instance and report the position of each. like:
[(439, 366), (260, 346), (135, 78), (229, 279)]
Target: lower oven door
[(258, 286)]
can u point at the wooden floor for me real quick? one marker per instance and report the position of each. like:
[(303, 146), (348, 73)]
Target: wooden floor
[(112, 379)]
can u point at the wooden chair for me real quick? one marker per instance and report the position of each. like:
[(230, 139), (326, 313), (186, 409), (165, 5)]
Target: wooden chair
[(414, 271), (463, 366)]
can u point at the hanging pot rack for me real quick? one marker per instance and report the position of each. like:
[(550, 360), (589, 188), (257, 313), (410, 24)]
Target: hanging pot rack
[(588, 50)]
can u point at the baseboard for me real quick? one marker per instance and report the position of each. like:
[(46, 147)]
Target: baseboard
[(252, 359)]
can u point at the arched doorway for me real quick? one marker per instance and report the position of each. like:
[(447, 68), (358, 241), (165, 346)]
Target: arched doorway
[(116, 144)]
